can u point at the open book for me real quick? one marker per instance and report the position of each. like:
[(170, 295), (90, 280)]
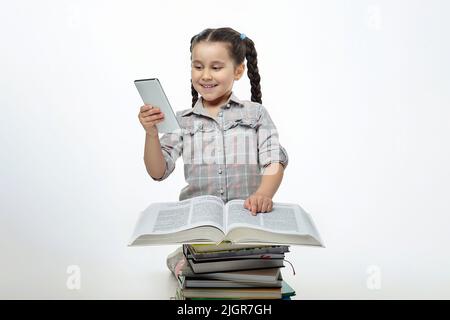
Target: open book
[(206, 219)]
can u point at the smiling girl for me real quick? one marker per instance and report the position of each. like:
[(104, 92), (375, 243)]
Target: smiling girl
[(229, 146)]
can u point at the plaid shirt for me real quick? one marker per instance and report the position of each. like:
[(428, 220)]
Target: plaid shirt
[(223, 156)]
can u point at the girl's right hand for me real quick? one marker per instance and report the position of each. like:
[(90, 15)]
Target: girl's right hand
[(149, 116)]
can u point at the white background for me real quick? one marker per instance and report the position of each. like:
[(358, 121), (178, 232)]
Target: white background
[(359, 91)]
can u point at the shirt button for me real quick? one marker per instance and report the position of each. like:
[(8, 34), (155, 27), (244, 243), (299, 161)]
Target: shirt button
[(228, 105), (220, 113), (220, 171), (221, 191)]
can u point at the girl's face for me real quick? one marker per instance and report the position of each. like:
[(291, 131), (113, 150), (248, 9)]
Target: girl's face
[(213, 72)]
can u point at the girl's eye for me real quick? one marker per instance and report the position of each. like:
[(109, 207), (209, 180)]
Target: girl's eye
[(199, 67)]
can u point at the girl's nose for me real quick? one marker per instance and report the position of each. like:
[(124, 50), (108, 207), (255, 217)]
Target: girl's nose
[(206, 75)]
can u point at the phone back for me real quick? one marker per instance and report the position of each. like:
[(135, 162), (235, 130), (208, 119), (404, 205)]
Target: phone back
[(152, 93)]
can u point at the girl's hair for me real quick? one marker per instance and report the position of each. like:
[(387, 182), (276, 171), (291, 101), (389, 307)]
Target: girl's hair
[(238, 49)]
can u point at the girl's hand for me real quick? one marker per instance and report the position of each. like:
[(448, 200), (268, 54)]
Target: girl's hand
[(149, 116), (258, 202)]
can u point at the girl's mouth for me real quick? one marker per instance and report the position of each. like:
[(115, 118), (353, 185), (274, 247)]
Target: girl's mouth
[(209, 86)]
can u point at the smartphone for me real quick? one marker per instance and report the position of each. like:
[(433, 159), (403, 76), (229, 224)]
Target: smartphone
[(152, 93)]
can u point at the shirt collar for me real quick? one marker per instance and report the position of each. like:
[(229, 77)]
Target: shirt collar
[(233, 100)]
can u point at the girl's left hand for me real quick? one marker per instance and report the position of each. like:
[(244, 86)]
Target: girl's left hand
[(258, 202)]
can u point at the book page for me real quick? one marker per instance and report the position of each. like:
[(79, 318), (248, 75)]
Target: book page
[(159, 218), (200, 219), (186, 214), (172, 218), (284, 218), (207, 210), (281, 219), (236, 215)]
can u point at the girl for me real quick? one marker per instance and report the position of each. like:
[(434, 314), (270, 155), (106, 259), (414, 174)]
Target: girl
[(229, 146)]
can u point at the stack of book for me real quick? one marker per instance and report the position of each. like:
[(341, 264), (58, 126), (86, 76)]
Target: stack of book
[(228, 271), (236, 268)]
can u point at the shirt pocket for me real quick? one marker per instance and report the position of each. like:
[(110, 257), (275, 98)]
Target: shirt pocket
[(197, 128), (241, 140), (196, 139), (244, 124)]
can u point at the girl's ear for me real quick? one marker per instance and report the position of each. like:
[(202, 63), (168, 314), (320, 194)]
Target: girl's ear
[(239, 71)]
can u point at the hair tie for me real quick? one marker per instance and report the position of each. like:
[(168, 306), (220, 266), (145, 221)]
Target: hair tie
[(243, 36)]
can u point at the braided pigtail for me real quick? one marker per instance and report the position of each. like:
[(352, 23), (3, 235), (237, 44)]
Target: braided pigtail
[(194, 95), (252, 70)]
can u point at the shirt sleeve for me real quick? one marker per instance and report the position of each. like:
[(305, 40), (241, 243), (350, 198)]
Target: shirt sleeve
[(269, 148), (172, 148)]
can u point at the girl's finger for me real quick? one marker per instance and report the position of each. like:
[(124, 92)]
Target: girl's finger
[(259, 204), (146, 107), (151, 112), (264, 205), (153, 118), (251, 205), (254, 206), (246, 203)]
